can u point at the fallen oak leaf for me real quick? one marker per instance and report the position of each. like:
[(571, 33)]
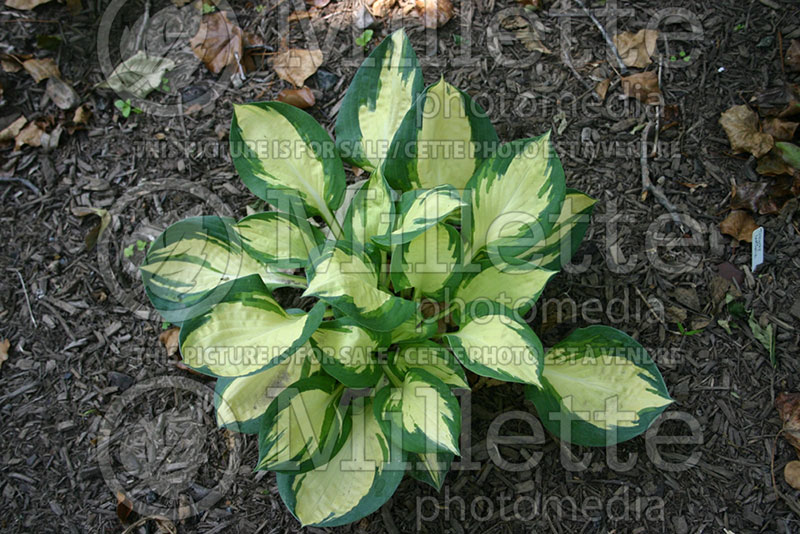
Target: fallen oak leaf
[(739, 224), (295, 65), (95, 233), (643, 86), (41, 69), (4, 346), (741, 126), (788, 406), (635, 49), (218, 42), (302, 98)]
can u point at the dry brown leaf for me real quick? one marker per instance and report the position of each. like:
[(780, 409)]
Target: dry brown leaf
[(25, 5), (96, 231), (602, 88), (218, 42), (791, 473), (740, 225), (741, 125), (434, 13), (124, 507), (772, 164), (12, 130), (525, 33), (4, 346), (10, 64), (319, 4), (61, 93), (788, 406), (295, 65), (767, 197), (31, 135), (41, 69), (643, 86), (793, 55), (169, 338), (300, 98), (780, 130), (635, 49), (82, 115), (381, 8)]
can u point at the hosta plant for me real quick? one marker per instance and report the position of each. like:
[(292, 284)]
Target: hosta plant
[(409, 278)]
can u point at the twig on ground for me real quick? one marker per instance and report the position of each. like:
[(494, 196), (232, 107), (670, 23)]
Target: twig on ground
[(568, 62), (649, 187), (27, 299), (654, 153), (22, 181), (649, 307), (622, 67), (145, 20)]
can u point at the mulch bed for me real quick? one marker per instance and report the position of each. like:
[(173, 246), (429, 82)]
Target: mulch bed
[(95, 336)]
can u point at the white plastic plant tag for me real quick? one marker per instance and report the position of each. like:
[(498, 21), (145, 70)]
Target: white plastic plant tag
[(758, 248)]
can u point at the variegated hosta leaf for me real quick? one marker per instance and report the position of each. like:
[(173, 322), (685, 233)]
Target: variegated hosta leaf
[(443, 139), (599, 387), (431, 357), (347, 353), (514, 287), (188, 264), (424, 409), (286, 158), (428, 263), (416, 327), (557, 249), (382, 91), (430, 468), (357, 481), (348, 281), (419, 210), (497, 346), (371, 212), (246, 332), (279, 239), (516, 197), (241, 401), (303, 427)]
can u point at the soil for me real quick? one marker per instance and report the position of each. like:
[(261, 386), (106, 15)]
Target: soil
[(85, 358)]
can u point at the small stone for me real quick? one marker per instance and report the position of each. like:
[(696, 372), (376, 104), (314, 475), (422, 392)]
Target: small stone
[(325, 80), (362, 19), (120, 380)]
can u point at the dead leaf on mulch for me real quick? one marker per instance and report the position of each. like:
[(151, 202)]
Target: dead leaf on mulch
[(602, 88), (767, 197), (41, 69), (788, 406), (61, 93), (319, 4), (295, 65), (31, 135), (782, 101), (741, 125), (791, 473), (302, 98), (11, 131), (4, 346), (793, 55), (124, 507), (526, 34), (95, 233), (138, 75), (772, 164), (435, 13), (82, 115), (740, 225), (643, 86), (635, 49), (218, 42), (779, 129), (25, 5), (381, 8), (169, 338)]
